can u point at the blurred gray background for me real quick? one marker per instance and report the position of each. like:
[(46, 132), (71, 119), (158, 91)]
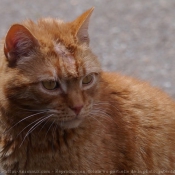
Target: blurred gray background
[(134, 37)]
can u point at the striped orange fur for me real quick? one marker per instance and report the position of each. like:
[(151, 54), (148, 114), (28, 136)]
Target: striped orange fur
[(61, 114)]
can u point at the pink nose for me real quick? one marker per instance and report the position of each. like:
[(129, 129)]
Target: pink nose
[(77, 109)]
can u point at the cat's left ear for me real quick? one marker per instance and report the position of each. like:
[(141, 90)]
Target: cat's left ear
[(19, 43), (81, 27)]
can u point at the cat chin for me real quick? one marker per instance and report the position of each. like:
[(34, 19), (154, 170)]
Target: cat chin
[(70, 124)]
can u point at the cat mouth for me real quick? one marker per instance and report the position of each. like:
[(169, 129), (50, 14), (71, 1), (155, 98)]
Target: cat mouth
[(66, 121), (74, 123), (69, 121), (64, 118)]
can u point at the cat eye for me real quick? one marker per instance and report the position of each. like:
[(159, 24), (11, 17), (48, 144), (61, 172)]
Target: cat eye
[(50, 85), (87, 80)]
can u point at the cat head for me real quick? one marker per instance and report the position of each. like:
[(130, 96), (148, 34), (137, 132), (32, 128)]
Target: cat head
[(50, 71)]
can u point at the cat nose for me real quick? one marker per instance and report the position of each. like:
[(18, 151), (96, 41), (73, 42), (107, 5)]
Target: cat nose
[(77, 109)]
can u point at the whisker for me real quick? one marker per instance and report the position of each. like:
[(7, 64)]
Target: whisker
[(100, 111), (97, 120), (106, 103), (54, 129), (33, 127), (103, 114), (34, 110), (23, 120), (37, 124), (43, 125), (49, 128), (29, 125)]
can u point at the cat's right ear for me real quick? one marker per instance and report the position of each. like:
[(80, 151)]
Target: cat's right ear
[(19, 42), (81, 27)]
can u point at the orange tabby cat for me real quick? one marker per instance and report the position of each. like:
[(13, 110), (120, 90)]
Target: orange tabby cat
[(60, 114)]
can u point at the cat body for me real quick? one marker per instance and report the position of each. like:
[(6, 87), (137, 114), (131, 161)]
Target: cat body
[(61, 114)]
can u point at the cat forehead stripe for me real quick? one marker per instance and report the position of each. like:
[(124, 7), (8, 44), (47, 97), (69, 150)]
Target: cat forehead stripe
[(60, 49), (67, 61)]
